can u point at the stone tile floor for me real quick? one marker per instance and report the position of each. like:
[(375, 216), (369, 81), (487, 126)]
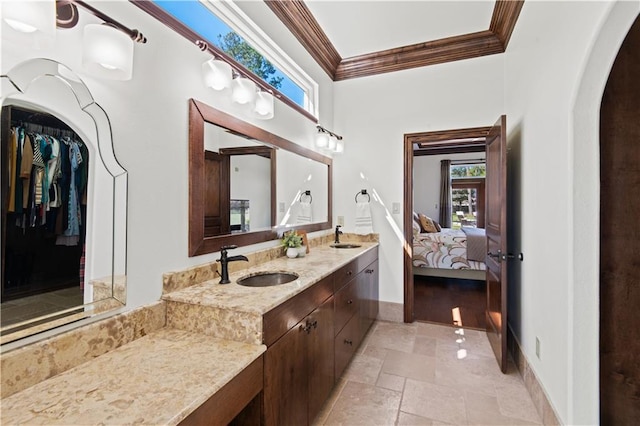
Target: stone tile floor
[(417, 374)]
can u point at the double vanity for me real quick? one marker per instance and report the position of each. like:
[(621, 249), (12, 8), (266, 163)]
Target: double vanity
[(261, 355)]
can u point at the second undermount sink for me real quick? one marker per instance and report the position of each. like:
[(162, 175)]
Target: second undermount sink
[(345, 245), (267, 279)]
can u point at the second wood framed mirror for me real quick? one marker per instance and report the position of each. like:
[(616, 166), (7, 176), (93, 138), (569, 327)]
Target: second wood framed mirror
[(248, 185)]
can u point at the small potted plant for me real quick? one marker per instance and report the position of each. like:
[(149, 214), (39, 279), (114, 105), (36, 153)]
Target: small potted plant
[(290, 242)]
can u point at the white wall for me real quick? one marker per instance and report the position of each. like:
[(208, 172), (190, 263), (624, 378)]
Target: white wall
[(374, 113), (149, 117), (426, 181), (250, 180), (553, 186), (296, 175)]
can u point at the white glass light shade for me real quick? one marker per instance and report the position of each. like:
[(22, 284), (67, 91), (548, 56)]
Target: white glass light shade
[(264, 105), (332, 143), (30, 16), (244, 91), (217, 74), (339, 146), (107, 52), (322, 140)]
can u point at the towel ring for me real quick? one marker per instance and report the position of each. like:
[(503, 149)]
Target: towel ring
[(307, 193), (363, 192)]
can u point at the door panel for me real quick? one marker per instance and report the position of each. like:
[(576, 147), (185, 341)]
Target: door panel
[(285, 379), (321, 361), (496, 218), (217, 204)]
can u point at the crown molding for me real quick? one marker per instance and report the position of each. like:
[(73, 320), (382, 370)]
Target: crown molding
[(295, 15)]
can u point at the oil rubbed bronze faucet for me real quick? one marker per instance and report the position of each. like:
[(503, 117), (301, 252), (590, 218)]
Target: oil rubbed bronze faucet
[(224, 262), (338, 232)]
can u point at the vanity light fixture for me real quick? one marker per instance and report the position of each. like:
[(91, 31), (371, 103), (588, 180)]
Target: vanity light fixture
[(107, 49), (264, 106), (329, 141), (107, 52), (219, 74), (243, 91), (31, 16)]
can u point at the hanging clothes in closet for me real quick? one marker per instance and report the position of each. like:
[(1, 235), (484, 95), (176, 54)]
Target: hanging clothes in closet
[(48, 182), (45, 207)]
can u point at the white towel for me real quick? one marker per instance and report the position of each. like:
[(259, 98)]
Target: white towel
[(364, 225), (304, 212)]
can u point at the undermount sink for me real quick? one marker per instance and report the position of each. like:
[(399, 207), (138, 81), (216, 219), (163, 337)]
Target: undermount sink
[(267, 279), (345, 245)]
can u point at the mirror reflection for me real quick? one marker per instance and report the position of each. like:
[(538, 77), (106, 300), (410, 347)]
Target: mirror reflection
[(63, 203), (248, 185), (302, 189), (238, 184)]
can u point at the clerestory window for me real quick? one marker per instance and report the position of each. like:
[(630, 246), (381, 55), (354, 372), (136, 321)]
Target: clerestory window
[(225, 26)]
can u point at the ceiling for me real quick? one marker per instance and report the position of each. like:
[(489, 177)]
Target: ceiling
[(352, 39)]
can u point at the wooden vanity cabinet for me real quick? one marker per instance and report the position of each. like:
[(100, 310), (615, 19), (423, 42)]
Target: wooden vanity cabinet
[(312, 337), (356, 306), (299, 365)]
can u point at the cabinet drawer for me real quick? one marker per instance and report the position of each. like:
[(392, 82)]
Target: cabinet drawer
[(366, 259), (346, 343), (280, 319), (353, 268), (345, 274), (346, 304)]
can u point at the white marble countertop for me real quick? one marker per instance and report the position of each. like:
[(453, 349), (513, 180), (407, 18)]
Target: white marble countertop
[(319, 263), (158, 379)]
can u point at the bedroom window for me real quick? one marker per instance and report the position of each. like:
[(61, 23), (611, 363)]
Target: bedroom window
[(467, 195), (226, 26)]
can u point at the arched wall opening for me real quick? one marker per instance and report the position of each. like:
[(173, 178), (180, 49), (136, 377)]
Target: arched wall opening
[(584, 345)]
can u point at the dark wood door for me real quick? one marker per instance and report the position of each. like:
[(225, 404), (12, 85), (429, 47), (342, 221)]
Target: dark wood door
[(217, 194), (496, 221), (321, 357), (286, 382), (620, 237)]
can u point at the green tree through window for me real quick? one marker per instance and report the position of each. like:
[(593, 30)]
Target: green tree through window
[(468, 170), (232, 44)]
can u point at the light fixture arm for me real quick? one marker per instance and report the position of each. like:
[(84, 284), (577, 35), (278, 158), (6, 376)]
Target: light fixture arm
[(330, 133), (69, 10)]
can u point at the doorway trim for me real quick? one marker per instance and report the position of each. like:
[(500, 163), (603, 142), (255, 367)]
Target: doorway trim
[(470, 139)]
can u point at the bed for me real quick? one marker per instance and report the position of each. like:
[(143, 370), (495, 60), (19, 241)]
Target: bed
[(446, 253)]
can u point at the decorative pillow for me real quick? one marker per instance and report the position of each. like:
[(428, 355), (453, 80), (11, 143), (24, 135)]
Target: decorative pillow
[(437, 225), (427, 224), (416, 218), (416, 228)]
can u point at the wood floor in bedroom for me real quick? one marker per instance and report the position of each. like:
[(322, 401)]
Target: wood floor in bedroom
[(435, 299)]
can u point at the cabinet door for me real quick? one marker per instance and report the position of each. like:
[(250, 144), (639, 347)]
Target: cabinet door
[(321, 357), (368, 294), (285, 379)]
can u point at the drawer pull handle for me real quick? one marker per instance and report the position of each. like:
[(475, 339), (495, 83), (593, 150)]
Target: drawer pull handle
[(308, 326), (349, 302), (369, 271), (348, 342), (349, 272)]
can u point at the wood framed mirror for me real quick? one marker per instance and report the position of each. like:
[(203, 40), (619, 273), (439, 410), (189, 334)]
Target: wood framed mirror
[(227, 202)]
